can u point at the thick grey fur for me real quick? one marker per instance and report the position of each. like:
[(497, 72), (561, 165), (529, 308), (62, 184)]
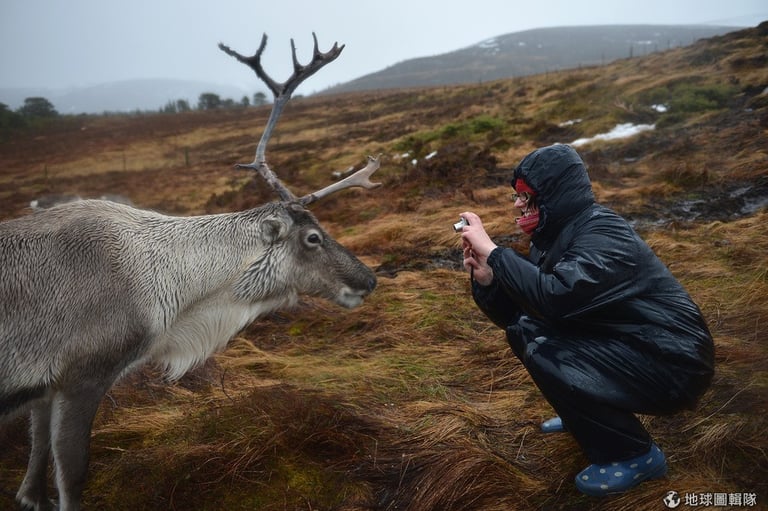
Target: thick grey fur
[(92, 289)]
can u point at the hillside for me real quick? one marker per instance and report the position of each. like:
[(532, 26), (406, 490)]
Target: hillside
[(414, 401), (533, 52)]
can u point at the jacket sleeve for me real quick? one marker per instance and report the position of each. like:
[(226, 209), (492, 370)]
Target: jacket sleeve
[(495, 303), (598, 267)]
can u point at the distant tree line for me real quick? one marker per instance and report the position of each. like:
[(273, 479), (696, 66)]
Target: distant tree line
[(211, 101), (38, 110), (34, 111)]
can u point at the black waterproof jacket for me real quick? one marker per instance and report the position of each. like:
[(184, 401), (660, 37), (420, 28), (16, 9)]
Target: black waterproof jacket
[(588, 274)]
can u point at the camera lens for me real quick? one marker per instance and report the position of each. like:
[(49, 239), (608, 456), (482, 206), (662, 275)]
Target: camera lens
[(458, 226)]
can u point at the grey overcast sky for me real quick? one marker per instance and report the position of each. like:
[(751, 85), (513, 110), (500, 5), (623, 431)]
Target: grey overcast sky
[(63, 43)]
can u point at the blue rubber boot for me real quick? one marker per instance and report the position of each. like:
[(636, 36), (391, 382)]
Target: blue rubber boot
[(553, 425), (601, 480)]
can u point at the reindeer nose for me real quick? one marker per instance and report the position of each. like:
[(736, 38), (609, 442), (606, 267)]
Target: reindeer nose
[(371, 283)]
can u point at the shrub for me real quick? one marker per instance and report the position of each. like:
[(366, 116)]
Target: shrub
[(689, 97), (700, 98), (38, 107), (418, 144), (686, 98), (485, 124), (9, 121)]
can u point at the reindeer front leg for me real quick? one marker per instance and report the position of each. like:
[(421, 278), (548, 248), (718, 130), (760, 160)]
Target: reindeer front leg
[(73, 412)]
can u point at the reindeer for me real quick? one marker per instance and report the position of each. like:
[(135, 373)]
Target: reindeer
[(93, 289)]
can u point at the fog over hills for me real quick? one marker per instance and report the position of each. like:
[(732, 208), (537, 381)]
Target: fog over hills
[(516, 54), (123, 96)]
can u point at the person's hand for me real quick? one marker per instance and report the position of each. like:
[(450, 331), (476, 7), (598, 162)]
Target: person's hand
[(477, 246), (474, 234)]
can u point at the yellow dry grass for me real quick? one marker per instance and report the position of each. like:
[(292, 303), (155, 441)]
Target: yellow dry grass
[(413, 401)]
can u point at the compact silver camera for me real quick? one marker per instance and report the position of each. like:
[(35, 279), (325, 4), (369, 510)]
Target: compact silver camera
[(458, 226)]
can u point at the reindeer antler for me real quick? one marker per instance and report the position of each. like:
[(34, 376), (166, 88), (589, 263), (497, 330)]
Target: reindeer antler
[(359, 178), (282, 93)]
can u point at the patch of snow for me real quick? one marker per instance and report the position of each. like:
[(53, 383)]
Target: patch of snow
[(660, 108), (619, 131), (430, 155), (570, 122), (489, 43), (402, 156)]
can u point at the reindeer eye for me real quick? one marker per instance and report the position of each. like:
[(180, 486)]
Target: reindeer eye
[(314, 239)]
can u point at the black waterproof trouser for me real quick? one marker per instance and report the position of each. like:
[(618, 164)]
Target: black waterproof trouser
[(597, 385)]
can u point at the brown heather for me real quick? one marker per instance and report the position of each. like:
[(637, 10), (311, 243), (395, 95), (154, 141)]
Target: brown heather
[(413, 401)]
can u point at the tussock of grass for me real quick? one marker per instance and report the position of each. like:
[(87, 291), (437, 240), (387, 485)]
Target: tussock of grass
[(270, 444), (414, 401)]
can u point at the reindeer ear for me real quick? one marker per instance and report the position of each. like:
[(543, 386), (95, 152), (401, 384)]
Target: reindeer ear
[(273, 229)]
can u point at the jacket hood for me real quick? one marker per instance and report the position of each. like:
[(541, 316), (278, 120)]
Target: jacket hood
[(559, 177)]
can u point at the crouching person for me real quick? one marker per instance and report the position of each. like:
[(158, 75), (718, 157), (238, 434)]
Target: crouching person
[(602, 326)]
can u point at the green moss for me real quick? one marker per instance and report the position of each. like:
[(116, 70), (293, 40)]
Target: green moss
[(296, 329), (292, 484), (420, 143), (686, 98)]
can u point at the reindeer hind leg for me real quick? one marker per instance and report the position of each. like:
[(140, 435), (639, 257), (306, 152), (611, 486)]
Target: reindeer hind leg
[(33, 493)]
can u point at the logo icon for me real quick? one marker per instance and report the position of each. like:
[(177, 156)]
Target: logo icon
[(672, 499)]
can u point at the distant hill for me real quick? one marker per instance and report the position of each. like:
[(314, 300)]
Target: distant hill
[(532, 52), (123, 96), (414, 401), (517, 54)]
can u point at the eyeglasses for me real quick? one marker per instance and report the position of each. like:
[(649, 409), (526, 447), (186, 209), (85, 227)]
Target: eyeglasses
[(523, 196)]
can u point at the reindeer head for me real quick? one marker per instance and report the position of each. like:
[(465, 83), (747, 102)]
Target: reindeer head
[(300, 258), (320, 266)]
